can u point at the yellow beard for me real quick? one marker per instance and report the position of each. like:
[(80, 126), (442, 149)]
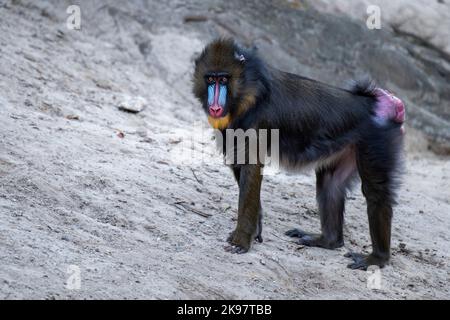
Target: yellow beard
[(219, 123)]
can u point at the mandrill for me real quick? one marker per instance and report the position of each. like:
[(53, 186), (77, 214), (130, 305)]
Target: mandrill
[(345, 133)]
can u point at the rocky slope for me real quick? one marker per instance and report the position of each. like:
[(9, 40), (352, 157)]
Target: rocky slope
[(85, 184)]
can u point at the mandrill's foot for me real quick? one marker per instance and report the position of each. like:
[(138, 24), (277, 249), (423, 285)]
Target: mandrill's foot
[(236, 249), (363, 261), (258, 238), (240, 242), (314, 240)]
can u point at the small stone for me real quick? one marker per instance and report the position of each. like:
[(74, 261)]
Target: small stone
[(147, 140), (60, 33), (72, 117), (132, 104), (142, 132), (103, 84), (120, 134), (29, 57)]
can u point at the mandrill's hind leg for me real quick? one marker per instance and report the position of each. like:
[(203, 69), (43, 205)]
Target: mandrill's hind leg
[(378, 164), (332, 182)]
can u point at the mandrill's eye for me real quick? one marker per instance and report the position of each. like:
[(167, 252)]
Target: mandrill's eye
[(223, 80), (210, 80)]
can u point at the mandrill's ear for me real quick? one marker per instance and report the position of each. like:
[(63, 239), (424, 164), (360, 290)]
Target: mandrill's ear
[(241, 52), (239, 57)]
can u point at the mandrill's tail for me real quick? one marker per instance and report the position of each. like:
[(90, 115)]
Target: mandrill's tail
[(387, 108)]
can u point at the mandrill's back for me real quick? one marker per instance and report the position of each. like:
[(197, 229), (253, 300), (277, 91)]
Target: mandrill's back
[(309, 100), (323, 118)]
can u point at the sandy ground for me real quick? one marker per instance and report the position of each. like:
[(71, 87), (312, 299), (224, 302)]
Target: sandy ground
[(85, 184)]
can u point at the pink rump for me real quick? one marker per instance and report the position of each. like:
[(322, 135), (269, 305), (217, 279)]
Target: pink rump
[(389, 107)]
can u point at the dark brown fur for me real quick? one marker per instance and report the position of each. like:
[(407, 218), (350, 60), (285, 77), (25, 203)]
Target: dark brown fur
[(331, 127)]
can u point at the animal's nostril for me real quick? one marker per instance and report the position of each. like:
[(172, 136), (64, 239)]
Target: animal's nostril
[(216, 109)]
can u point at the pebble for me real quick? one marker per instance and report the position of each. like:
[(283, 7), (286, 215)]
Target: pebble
[(132, 104)]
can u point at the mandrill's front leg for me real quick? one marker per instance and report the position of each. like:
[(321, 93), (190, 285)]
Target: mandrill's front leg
[(249, 211)]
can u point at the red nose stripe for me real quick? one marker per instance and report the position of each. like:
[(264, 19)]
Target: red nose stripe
[(216, 93), (215, 110)]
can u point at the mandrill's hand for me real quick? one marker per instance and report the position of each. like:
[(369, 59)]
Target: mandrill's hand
[(240, 242)]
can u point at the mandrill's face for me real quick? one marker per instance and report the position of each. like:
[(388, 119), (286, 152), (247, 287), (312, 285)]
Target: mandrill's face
[(216, 100), (218, 82)]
